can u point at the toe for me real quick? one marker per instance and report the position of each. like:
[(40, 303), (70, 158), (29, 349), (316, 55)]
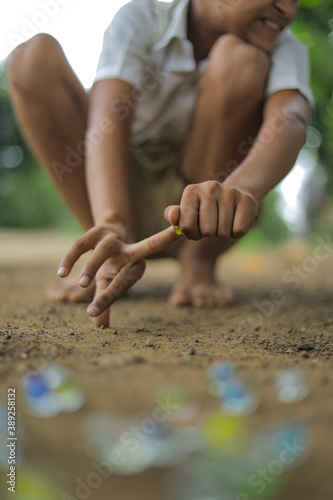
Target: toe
[(180, 298), (212, 297), (204, 301), (211, 302), (199, 301), (77, 295), (56, 294), (70, 291), (227, 298)]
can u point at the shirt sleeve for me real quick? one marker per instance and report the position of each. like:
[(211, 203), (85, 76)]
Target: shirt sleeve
[(126, 44), (290, 67)]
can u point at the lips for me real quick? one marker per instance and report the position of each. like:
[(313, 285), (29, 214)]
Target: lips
[(271, 24)]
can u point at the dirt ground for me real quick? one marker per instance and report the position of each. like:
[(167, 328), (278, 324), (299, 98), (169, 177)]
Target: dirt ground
[(151, 342)]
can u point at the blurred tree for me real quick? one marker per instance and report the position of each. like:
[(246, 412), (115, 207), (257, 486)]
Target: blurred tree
[(314, 27), (27, 198)]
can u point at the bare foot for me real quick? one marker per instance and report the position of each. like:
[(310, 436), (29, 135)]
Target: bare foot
[(70, 290), (197, 287)]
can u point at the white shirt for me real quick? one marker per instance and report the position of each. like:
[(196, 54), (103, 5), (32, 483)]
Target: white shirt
[(146, 45)]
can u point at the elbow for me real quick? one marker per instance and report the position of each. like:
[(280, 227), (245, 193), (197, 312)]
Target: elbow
[(300, 125), (299, 118), (295, 124), (289, 112)]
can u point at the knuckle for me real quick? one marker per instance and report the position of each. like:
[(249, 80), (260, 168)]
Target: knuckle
[(108, 243), (190, 235), (189, 190), (95, 230), (153, 245), (211, 188), (240, 231), (207, 232), (186, 228), (224, 233), (128, 256), (229, 191), (78, 245)]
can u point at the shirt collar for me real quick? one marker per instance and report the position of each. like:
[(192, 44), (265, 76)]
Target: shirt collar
[(177, 27)]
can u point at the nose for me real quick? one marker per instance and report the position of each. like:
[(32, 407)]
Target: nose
[(288, 8)]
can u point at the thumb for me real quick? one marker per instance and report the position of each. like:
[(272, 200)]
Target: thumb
[(172, 214)]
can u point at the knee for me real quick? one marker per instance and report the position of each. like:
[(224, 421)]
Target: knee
[(237, 70), (32, 63)]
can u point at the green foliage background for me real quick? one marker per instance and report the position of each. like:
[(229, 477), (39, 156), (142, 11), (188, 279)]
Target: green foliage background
[(27, 198), (314, 27)]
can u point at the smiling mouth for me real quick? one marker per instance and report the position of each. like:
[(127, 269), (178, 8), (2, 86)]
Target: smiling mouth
[(270, 24)]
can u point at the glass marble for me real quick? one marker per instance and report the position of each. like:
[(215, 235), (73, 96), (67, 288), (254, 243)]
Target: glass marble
[(291, 386), (237, 399)]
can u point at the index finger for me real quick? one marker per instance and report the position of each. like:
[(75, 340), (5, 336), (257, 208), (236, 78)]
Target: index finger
[(85, 243), (151, 245)]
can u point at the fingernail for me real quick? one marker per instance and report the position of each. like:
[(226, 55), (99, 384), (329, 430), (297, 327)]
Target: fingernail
[(62, 271), (84, 281), (93, 310)]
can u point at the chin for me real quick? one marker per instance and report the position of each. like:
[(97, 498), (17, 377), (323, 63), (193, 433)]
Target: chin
[(263, 45)]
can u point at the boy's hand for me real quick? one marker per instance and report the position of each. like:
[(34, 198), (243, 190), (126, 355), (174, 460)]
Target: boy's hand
[(115, 264), (213, 209)]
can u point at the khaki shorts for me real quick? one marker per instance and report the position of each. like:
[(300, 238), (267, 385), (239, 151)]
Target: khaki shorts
[(156, 182)]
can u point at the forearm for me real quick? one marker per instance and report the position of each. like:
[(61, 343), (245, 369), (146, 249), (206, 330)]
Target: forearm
[(107, 167), (268, 163), (275, 150)]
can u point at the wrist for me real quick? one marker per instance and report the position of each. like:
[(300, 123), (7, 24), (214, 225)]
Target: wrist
[(246, 186), (116, 223)]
